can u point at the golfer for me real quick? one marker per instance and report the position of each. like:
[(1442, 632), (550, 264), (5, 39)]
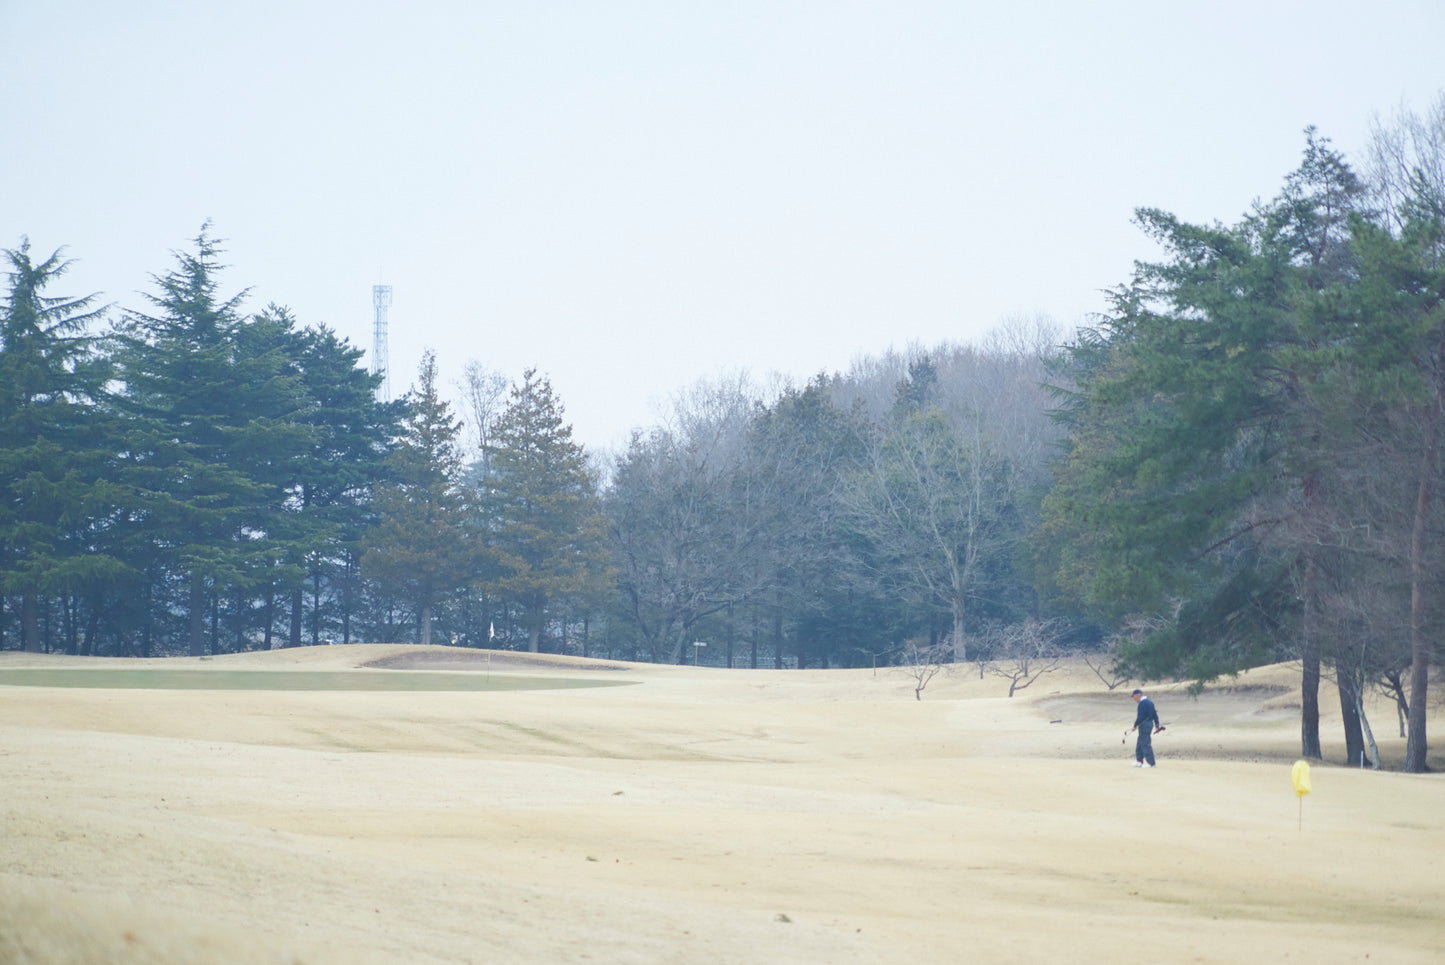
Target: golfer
[(1146, 722)]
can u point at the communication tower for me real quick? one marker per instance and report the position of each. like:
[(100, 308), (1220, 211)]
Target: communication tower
[(381, 300)]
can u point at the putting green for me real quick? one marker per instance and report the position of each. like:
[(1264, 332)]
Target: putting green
[(168, 679)]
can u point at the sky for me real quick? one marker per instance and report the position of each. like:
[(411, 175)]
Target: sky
[(632, 197)]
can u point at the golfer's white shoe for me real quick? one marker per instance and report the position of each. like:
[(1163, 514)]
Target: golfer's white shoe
[(1146, 765), (1138, 763)]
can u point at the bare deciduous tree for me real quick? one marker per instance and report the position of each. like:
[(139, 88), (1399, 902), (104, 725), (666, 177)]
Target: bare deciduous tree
[(1134, 628), (676, 527), (1024, 652), (923, 661), (932, 502), (1105, 668), (484, 394)]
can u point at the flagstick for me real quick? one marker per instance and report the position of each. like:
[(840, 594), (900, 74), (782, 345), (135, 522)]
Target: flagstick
[(1301, 814)]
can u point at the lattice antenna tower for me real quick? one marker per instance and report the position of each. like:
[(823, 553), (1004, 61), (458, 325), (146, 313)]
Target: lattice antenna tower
[(380, 365)]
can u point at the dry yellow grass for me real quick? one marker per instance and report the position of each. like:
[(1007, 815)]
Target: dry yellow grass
[(701, 816)]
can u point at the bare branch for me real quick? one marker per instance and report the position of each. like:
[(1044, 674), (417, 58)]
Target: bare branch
[(1024, 652), (923, 661)]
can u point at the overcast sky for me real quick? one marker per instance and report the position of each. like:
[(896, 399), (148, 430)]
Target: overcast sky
[(635, 196)]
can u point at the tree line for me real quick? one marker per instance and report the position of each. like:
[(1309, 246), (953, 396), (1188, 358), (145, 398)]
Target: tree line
[(194, 479), (1236, 464), (1252, 464)]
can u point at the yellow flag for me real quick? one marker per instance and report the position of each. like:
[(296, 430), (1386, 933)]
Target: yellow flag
[(1299, 776)]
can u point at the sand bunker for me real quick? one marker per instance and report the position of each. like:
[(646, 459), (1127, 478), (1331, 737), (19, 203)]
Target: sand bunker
[(703, 815)]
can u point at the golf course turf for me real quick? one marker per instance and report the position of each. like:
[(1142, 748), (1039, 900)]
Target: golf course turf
[(130, 678), (779, 817)]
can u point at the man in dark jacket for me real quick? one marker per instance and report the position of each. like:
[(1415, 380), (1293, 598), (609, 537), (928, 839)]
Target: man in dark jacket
[(1146, 722)]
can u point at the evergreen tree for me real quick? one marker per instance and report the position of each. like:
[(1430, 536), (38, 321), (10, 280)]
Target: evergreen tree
[(53, 457), (1198, 471), (1399, 300), (802, 450), (330, 509), (211, 412), (539, 499), (357, 429), (422, 549)]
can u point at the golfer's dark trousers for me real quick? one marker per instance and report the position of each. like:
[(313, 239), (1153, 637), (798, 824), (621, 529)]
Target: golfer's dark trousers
[(1144, 746)]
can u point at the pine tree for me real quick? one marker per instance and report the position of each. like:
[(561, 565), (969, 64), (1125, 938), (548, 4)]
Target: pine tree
[(353, 433), (1399, 300), (211, 406), (422, 549), (801, 450), (54, 459), (1198, 472), (539, 499)]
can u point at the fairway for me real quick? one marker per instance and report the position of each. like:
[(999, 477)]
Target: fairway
[(700, 815), (329, 680)]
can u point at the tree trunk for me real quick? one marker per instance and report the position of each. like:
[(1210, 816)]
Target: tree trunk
[(148, 626), (960, 645), (198, 615), (30, 623), (316, 607), (69, 630), (298, 603), (270, 616), (426, 626), (778, 637), (1351, 700), (1310, 657), (347, 582), (1415, 742), (753, 639), (1369, 734), (346, 592), (679, 646), (730, 636), (242, 620), (535, 614), (92, 630)]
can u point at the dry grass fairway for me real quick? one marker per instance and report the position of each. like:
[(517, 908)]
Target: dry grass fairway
[(700, 816)]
